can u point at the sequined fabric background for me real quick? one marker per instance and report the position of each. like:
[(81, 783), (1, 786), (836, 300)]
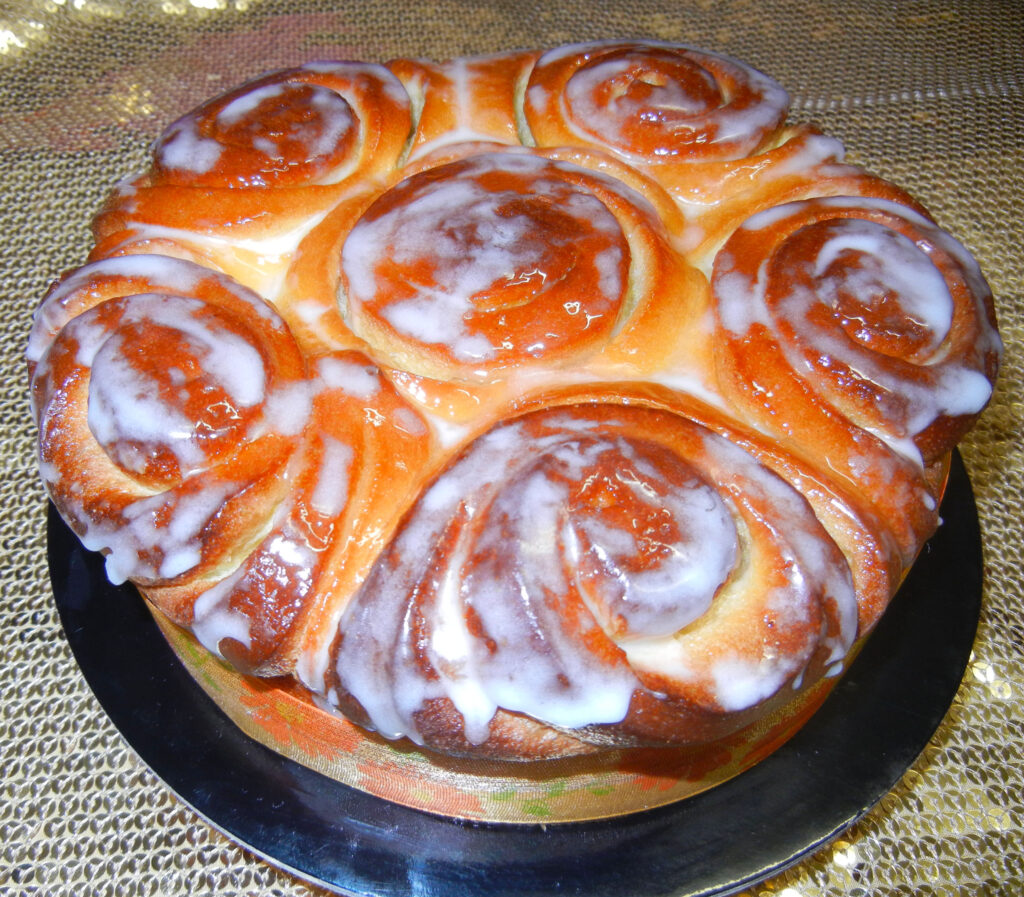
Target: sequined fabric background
[(928, 94)]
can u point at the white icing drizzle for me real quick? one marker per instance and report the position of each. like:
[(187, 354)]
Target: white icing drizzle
[(162, 273), (214, 619), (314, 660), (455, 224), (246, 103), (379, 75), (185, 147), (286, 409), (331, 491), (182, 148), (890, 266), (463, 109), (793, 520), (274, 249), (179, 543), (126, 414), (126, 417), (803, 153), (680, 588), (449, 433), (890, 262), (458, 70), (736, 129), (476, 682), (136, 412), (407, 420), (740, 683), (812, 575), (689, 383), (359, 380)]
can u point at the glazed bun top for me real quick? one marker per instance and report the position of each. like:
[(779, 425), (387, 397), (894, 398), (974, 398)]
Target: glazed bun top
[(521, 405)]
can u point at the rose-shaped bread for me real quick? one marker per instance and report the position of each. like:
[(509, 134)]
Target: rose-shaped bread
[(183, 434), (710, 129), (618, 573), (518, 406), (241, 179), (856, 326), (487, 269)]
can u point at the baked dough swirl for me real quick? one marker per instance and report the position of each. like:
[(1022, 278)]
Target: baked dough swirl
[(521, 406), (872, 329), (264, 162), (168, 367), (600, 569), (710, 129), (318, 123), (650, 102), (211, 464)]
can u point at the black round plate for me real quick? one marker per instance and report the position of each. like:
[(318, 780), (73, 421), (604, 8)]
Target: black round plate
[(871, 729)]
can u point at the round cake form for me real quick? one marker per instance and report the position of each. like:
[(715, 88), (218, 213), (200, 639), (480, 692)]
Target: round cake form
[(566, 414)]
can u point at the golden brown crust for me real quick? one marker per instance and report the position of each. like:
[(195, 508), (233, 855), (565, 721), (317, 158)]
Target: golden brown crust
[(425, 383), (813, 349)]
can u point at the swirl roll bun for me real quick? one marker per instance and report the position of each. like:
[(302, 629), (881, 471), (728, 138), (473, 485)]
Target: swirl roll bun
[(489, 262), (655, 103), (318, 123), (550, 404), (707, 127), (489, 268), (598, 569), (203, 457), (872, 328), (171, 370), (239, 180)]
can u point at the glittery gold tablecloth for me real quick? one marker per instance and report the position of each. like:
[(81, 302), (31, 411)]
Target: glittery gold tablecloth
[(928, 94)]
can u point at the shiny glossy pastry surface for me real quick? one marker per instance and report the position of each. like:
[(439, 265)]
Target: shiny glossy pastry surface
[(522, 406)]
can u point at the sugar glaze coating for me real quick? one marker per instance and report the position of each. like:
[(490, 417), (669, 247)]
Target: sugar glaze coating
[(519, 406)]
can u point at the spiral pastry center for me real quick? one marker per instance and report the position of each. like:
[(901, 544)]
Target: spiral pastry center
[(487, 260), (159, 421), (283, 119), (870, 315), (651, 540), (267, 132), (885, 292), (658, 94), (653, 104)]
